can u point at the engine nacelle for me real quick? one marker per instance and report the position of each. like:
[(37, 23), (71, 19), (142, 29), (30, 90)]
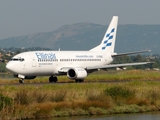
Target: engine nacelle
[(77, 73)]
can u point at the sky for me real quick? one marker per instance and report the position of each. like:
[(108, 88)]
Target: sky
[(23, 17)]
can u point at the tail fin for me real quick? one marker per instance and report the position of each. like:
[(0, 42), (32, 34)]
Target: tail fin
[(109, 38)]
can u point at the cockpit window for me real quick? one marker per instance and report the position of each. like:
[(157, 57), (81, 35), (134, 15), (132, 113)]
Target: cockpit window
[(17, 59)]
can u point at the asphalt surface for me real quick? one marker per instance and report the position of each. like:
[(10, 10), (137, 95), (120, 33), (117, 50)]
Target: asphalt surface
[(72, 82)]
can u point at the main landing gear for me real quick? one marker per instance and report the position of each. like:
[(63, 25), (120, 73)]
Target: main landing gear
[(53, 79), (79, 80)]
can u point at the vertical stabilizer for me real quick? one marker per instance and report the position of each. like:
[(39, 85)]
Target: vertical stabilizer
[(108, 42)]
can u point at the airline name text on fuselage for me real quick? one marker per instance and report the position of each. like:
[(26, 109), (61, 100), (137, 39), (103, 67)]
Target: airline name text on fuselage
[(45, 56)]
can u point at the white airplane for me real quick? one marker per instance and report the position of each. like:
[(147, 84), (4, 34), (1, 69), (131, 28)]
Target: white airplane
[(75, 64)]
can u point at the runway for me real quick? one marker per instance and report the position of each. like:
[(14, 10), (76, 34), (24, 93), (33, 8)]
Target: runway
[(72, 82)]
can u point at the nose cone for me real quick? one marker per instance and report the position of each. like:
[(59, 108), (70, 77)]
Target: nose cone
[(10, 67)]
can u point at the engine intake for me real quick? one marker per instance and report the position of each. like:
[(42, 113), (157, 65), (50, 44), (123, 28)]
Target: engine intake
[(77, 73)]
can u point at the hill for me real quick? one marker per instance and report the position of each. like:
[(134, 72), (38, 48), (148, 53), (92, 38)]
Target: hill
[(84, 36)]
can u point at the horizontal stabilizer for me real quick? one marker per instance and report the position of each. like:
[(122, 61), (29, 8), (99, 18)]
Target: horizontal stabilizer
[(129, 53)]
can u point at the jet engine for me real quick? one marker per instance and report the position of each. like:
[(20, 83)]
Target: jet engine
[(77, 73)]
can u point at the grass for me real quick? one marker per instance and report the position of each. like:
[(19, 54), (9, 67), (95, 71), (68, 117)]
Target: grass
[(114, 75), (111, 75), (72, 99)]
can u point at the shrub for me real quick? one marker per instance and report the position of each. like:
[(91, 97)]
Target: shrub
[(96, 99), (44, 110), (119, 91), (93, 96), (58, 96), (40, 96), (22, 97), (4, 101)]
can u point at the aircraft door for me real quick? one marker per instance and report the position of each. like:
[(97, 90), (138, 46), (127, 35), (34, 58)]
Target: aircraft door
[(105, 57), (108, 59), (33, 61)]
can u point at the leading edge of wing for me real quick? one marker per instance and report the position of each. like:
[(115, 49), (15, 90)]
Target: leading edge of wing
[(128, 53), (117, 65)]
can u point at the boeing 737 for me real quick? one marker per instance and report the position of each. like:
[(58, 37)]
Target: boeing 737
[(75, 64)]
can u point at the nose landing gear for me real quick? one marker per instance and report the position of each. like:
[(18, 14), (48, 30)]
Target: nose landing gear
[(21, 80)]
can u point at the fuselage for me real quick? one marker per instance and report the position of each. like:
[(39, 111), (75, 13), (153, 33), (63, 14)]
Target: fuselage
[(45, 63)]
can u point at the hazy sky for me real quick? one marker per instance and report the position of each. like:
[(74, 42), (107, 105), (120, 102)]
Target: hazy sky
[(23, 17)]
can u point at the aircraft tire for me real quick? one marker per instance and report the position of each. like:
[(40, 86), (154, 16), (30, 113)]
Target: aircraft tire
[(79, 80), (52, 79), (55, 79), (21, 81)]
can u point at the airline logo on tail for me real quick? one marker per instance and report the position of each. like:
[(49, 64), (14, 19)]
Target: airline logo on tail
[(108, 41)]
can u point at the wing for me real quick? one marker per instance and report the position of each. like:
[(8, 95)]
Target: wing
[(116, 65), (91, 69), (129, 53)]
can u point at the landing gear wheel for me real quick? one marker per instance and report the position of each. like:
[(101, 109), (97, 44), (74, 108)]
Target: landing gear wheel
[(21, 81), (53, 79), (79, 80)]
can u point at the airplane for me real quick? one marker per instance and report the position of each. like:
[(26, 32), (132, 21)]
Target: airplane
[(75, 64)]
